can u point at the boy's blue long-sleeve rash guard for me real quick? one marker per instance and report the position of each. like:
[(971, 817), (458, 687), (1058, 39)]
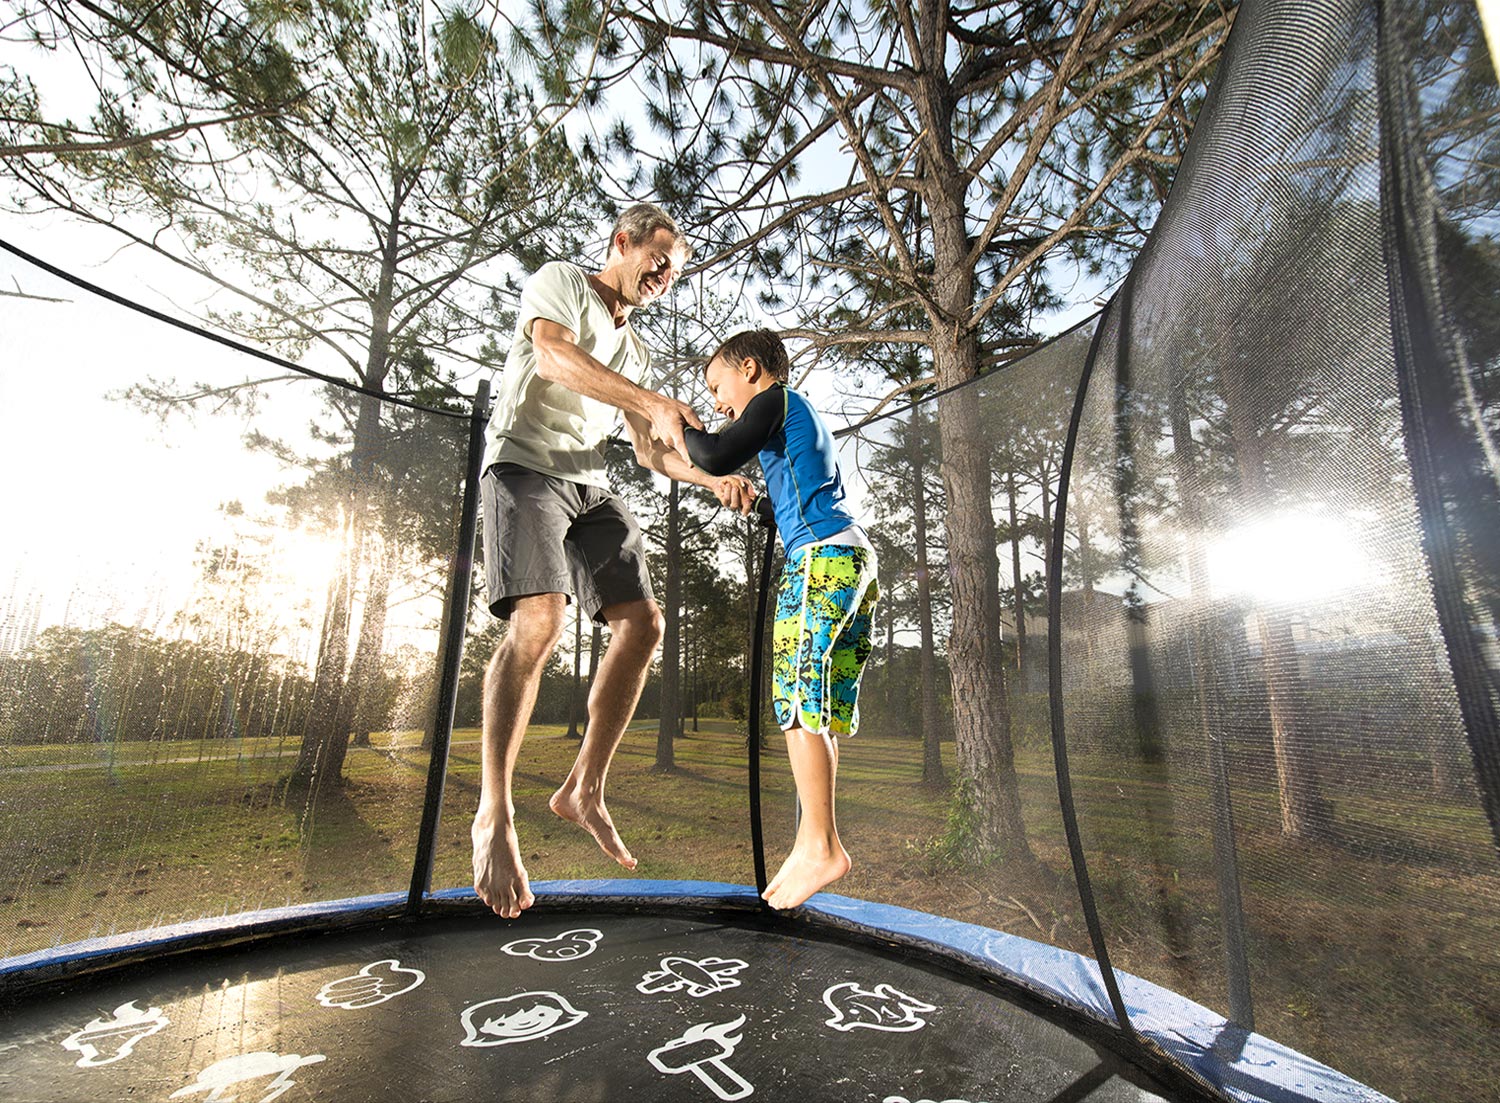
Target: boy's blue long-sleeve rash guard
[(796, 455)]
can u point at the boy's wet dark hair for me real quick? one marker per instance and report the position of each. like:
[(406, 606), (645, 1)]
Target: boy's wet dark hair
[(761, 345)]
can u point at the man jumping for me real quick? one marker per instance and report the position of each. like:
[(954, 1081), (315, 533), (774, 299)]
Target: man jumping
[(553, 530)]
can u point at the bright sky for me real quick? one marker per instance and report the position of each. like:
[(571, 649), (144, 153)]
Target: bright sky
[(104, 505)]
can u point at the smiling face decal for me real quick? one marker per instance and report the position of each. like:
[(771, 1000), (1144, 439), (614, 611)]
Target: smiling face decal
[(523, 1017)]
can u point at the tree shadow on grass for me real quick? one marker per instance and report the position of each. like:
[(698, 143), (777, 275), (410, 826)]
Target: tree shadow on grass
[(344, 850), (1384, 844)]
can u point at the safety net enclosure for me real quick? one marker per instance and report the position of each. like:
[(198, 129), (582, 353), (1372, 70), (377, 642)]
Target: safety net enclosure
[(1224, 641)]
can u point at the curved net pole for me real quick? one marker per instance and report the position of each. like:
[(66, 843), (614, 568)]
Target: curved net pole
[(1054, 675)]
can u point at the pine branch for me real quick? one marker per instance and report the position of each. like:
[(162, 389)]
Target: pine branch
[(788, 56)]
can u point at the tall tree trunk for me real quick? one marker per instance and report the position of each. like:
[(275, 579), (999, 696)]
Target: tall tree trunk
[(1015, 572), (931, 720), (320, 759), (696, 691), (888, 681), (1305, 814), (365, 674), (981, 709), (1086, 569)]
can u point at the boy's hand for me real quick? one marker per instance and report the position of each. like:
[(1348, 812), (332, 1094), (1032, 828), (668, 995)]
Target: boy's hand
[(736, 492)]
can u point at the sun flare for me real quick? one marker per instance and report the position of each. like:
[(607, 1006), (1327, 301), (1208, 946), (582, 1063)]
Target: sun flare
[(1289, 557)]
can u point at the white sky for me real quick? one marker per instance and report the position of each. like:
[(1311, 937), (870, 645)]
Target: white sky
[(103, 503)]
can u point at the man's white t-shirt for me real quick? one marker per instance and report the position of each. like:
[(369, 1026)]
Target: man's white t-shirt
[(545, 426)]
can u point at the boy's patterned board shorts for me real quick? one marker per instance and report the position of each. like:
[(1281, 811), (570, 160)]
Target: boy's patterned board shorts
[(822, 636)]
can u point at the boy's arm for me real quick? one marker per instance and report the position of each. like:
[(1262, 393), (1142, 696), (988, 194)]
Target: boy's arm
[(736, 445), (735, 491)]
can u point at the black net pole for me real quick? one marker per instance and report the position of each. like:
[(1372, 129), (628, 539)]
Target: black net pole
[(450, 655), (757, 669)]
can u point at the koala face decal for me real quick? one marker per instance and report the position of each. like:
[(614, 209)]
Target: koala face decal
[(568, 946)]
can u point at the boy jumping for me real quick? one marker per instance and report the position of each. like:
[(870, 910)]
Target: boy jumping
[(827, 593)]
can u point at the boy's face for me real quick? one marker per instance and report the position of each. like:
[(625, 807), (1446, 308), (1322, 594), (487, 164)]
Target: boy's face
[(730, 385)]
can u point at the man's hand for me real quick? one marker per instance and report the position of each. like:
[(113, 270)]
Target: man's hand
[(667, 417), (735, 491)]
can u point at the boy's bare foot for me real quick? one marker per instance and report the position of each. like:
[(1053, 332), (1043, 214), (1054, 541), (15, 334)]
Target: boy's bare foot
[(499, 877), (793, 858), (790, 862), (803, 874), (593, 817)]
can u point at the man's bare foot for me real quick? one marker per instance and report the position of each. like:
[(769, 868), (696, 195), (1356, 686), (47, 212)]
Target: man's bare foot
[(593, 817), (499, 877), (804, 873)]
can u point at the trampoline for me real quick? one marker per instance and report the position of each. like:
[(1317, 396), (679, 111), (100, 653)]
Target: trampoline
[(603, 991), (1265, 815)]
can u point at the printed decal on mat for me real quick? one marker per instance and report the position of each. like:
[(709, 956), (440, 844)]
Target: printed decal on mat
[(880, 1008), (568, 946), (702, 1051), (374, 984), (221, 1076), (523, 1017), (697, 978), (105, 1041)]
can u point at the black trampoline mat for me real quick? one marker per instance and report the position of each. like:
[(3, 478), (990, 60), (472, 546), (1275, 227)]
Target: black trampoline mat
[(573, 1006)]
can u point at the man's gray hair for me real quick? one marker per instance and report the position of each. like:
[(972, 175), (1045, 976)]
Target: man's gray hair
[(642, 220)]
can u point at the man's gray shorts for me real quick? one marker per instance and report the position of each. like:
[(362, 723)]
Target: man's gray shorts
[(544, 535)]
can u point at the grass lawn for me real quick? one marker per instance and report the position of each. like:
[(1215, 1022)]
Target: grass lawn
[(1365, 954)]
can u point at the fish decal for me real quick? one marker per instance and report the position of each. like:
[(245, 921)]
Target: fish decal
[(881, 1008)]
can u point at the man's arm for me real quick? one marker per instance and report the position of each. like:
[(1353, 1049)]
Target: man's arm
[(734, 491), (560, 359)]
